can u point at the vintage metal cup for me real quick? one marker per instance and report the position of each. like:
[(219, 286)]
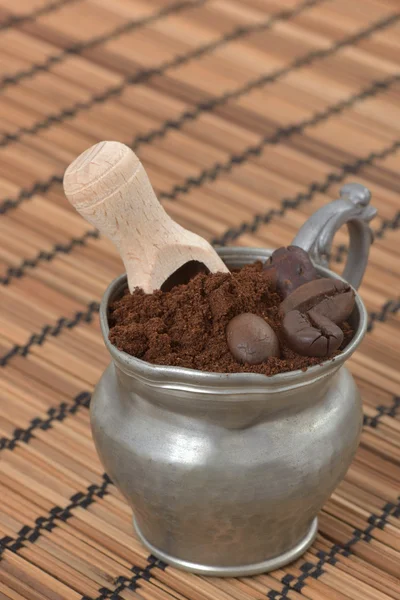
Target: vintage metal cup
[(226, 473)]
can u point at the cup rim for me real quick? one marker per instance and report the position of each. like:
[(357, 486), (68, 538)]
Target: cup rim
[(192, 380)]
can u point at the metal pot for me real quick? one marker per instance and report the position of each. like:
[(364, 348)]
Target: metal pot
[(226, 473)]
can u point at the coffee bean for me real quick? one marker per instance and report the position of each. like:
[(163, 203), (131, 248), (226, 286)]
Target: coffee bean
[(290, 268), (311, 314), (311, 334), (250, 339), (336, 308), (330, 298)]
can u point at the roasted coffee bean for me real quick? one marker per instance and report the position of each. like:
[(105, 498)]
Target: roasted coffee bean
[(250, 339), (311, 334), (290, 268), (330, 298)]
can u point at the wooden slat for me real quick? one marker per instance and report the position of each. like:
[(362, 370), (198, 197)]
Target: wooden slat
[(238, 110)]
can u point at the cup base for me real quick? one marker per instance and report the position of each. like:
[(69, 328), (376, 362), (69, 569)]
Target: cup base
[(238, 571)]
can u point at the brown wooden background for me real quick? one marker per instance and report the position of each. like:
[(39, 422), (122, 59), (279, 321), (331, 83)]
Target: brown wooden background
[(248, 116)]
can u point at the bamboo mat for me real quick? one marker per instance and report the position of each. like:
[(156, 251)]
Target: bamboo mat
[(248, 115)]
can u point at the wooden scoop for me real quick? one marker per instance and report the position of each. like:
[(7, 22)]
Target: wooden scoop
[(109, 187)]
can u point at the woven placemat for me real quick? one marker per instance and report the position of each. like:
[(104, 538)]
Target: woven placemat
[(248, 116)]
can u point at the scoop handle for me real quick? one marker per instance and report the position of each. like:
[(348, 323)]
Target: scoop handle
[(109, 187)]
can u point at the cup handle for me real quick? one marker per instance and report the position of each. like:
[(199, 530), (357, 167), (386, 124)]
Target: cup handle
[(316, 235)]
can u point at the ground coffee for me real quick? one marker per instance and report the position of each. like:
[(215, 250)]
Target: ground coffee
[(186, 326)]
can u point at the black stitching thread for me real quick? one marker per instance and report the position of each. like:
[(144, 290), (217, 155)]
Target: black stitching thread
[(316, 570), (16, 20), (144, 75), (340, 253), (333, 178), (78, 48), (82, 400), (78, 500), (44, 186), (130, 583), (39, 187), (49, 522), (31, 534), (383, 411), (212, 173), (47, 256), (373, 89), (212, 103), (391, 307), (54, 414), (37, 339), (386, 224)]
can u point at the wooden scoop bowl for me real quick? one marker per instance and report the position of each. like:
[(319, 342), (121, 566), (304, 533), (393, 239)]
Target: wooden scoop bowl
[(109, 187)]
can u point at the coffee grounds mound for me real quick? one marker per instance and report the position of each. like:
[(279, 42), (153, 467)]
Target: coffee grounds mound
[(185, 327)]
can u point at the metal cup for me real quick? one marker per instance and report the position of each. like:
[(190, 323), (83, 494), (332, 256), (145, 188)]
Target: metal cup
[(226, 473)]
